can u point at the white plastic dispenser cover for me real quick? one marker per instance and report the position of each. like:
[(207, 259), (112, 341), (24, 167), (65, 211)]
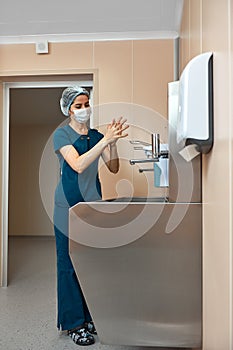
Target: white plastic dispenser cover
[(195, 116)]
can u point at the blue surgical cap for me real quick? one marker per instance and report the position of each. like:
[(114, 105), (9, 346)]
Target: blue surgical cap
[(69, 95)]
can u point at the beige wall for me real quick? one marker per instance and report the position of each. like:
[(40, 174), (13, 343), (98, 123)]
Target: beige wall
[(130, 79), (125, 68), (206, 27)]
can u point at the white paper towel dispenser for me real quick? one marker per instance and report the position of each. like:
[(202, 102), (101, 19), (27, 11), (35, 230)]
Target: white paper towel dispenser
[(195, 118)]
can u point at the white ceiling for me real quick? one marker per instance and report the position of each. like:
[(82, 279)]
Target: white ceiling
[(71, 20)]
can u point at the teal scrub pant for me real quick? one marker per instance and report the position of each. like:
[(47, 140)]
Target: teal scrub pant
[(72, 308)]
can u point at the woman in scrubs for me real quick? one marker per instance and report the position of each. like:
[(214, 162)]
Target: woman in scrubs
[(78, 149)]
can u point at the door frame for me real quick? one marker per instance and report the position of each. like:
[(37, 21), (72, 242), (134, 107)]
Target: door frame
[(5, 152)]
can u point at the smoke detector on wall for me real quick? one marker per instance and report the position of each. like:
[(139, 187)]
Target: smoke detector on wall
[(42, 47)]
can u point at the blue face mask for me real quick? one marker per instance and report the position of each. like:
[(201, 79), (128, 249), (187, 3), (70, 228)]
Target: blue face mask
[(82, 115)]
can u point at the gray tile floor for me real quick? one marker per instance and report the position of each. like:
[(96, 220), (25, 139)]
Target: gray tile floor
[(28, 304)]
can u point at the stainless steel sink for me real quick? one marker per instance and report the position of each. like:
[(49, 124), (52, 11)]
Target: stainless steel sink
[(140, 276), (137, 199)]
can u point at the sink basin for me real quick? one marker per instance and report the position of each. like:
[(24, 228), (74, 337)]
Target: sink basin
[(137, 199)]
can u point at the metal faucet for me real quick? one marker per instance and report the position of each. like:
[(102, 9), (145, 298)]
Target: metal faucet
[(156, 153), (155, 143), (148, 160)]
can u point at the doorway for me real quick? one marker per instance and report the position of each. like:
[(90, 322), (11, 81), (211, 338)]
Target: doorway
[(31, 114)]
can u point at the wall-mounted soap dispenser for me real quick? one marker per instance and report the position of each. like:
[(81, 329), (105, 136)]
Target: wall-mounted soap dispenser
[(195, 119)]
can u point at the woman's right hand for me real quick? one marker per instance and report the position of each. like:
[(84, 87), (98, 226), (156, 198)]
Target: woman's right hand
[(115, 130)]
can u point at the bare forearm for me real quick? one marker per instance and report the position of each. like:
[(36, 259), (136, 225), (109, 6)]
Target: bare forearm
[(113, 163), (83, 161), (105, 147)]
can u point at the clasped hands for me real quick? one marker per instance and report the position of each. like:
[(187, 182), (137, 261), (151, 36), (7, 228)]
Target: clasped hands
[(115, 130)]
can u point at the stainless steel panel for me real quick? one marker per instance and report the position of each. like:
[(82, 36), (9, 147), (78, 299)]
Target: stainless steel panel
[(142, 284)]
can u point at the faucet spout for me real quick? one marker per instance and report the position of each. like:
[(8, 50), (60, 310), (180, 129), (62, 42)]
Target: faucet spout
[(154, 154), (149, 160)]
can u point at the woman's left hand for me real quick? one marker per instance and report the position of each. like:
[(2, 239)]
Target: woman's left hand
[(120, 125)]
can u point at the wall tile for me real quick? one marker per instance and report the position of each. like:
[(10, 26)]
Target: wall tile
[(152, 70), (195, 28), (113, 59), (216, 192), (217, 166), (185, 36), (61, 56)]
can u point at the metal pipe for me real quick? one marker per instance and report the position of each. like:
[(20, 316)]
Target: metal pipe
[(145, 169), (138, 142), (155, 142), (149, 160)]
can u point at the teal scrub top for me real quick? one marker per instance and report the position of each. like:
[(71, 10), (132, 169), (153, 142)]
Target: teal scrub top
[(73, 187)]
